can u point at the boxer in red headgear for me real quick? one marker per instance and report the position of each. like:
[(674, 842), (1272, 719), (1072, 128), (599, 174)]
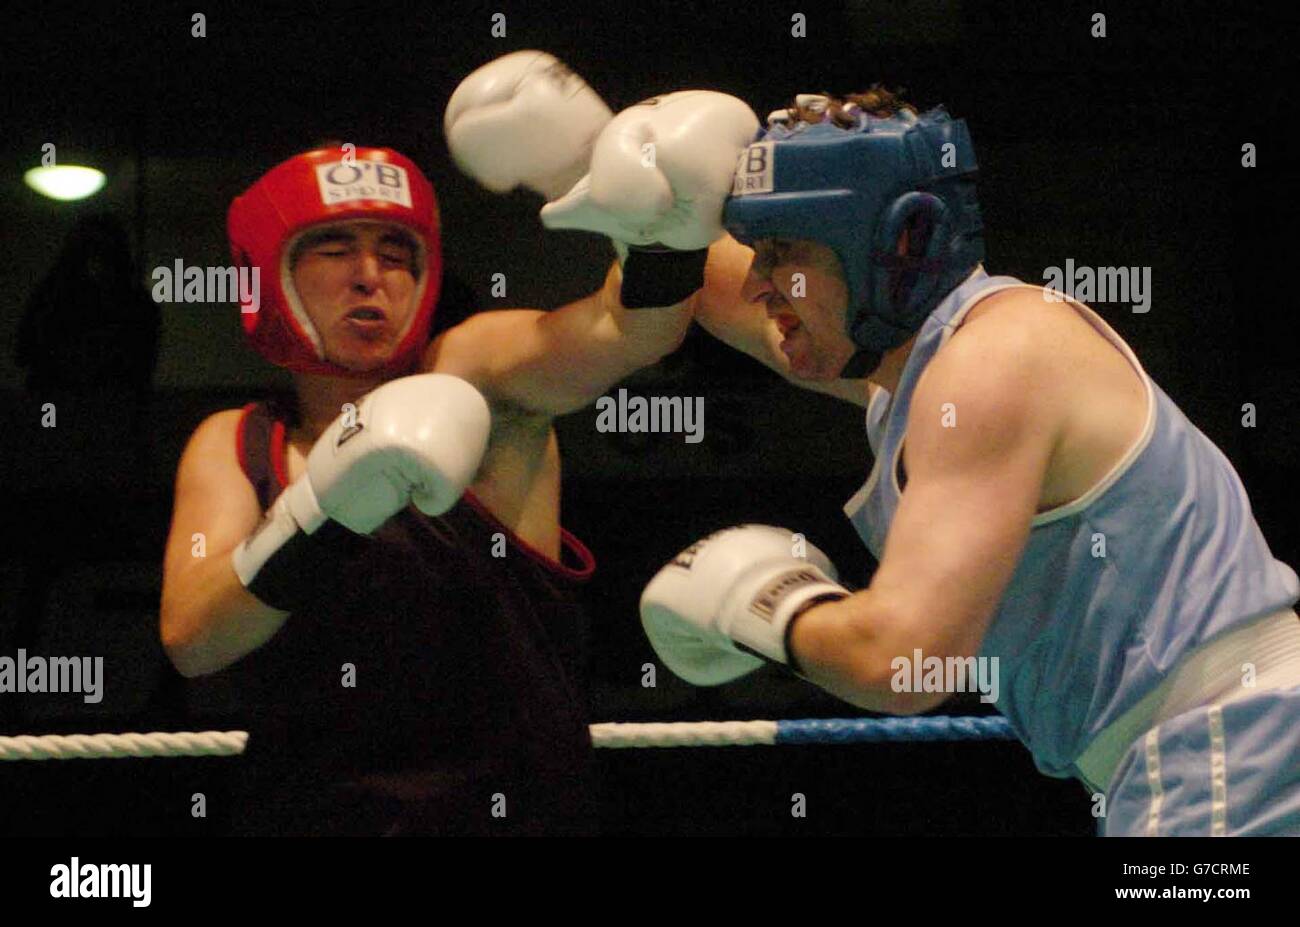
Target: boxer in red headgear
[(384, 573), (269, 222)]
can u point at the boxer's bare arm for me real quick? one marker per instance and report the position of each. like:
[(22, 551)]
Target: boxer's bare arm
[(723, 313), (208, 620), (519, 480), (965, 515), (559, 361)]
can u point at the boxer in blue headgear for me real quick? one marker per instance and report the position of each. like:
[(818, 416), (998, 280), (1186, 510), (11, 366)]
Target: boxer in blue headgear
[(858, 189), (1041, 511)]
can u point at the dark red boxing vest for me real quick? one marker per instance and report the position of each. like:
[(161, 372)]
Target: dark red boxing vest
[(469, 714)]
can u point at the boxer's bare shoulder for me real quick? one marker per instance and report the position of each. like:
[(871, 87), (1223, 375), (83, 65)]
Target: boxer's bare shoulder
[(1089, 385), (211, 488), (211, 455)]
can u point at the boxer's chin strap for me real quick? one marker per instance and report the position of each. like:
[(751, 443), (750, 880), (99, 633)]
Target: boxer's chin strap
[(860, 364)]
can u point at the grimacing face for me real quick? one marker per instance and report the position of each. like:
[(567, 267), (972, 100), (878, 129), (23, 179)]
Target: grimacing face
[(358, 282), (801, 283)]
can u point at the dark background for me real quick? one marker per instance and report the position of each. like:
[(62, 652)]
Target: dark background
[(1123, 151)]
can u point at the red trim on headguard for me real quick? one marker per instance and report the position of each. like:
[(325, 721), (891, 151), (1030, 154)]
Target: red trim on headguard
[(314, 187)]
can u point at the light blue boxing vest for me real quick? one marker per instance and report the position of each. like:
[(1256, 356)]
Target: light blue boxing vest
[(1081, 639)]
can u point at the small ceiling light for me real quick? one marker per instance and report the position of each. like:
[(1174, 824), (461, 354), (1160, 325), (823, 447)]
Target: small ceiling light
[(65, 181)]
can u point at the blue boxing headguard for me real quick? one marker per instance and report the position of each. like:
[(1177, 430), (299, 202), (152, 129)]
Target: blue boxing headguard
[(856, 190)]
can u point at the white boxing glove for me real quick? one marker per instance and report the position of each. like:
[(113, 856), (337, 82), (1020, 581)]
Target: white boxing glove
[(660, 172), (729, 599), (417, 439), (524, 119)]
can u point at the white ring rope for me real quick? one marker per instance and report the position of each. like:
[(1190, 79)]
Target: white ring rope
[(113, 746), (608, 735)]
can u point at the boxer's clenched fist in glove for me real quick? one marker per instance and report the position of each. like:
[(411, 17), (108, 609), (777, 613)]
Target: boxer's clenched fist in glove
[(730, 599), (414, 440), (660, 172), (524, 119)]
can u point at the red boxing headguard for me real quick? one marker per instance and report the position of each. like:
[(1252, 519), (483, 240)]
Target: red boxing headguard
[(264, 222)]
